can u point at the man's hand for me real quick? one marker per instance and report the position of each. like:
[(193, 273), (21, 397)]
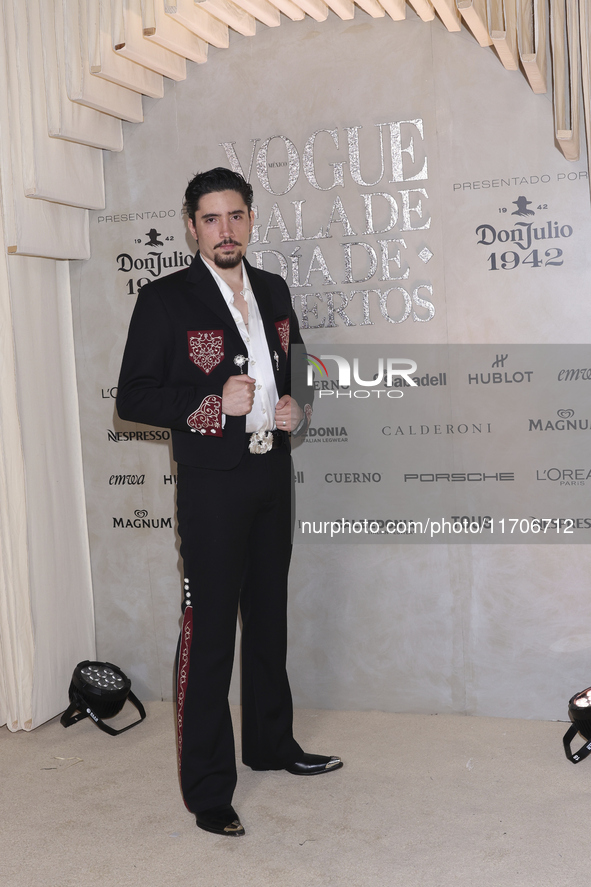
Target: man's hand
[(238, 396), (288, 414)]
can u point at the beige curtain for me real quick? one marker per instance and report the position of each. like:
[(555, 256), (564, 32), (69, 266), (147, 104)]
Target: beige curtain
[(46, 608), (16, 629), (60, 585)]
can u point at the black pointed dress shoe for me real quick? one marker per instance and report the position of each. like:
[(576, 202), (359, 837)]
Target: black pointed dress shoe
[(220, 821), (310, 765)]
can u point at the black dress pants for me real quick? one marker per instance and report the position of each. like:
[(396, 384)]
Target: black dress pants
[(235, 529)]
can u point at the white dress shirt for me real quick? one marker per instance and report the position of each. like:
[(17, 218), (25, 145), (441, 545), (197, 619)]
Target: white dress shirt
[(262, 414)]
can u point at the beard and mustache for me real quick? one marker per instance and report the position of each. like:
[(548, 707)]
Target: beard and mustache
[(224, 260)]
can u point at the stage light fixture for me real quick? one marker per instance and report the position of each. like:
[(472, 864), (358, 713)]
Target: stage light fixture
[(579, 710), (99, 690)]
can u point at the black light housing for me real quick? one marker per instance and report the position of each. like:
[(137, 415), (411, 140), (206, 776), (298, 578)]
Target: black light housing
[(99, 690), (579, 710)]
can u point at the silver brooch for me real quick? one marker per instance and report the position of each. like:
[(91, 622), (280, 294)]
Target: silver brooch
[(240, 360), (260, 442), (276, 359)]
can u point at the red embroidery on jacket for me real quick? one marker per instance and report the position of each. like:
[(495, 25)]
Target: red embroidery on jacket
[(206, 348), (183, 677), (208, 417), (282, 327)]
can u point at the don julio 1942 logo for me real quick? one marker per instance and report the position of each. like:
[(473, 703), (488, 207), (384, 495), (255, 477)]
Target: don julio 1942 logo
[(528, 243)]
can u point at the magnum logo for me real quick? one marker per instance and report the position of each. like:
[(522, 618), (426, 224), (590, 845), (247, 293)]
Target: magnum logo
[(142, 521)]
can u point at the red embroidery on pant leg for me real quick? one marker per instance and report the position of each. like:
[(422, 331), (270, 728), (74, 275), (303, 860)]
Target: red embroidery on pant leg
[(208, 417), (206, 348), (282, 327), (183, 677)]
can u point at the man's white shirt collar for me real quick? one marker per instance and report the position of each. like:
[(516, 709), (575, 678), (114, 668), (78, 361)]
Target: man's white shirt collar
[(260, 367)]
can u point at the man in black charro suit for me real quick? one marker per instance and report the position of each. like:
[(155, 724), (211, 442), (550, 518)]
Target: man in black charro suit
[(209, 355)]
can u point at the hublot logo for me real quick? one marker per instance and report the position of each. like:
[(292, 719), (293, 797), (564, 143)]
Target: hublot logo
[(498, 378)]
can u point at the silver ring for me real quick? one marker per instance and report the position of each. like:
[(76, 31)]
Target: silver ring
[(285, 423)]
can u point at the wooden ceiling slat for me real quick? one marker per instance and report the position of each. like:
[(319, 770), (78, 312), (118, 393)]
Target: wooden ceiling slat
[(396, 9), (190, 15), (564, 31), (66, 119), (231, 15), (423, 9), (289, 8), (531, 42), (448, 13), (31, 227), (262, 10), (372, 7), (502, 27), (585, 30), (316, 9), (474, 14), (164, 31), (82, 86), (128, 40), (109, 65), (53, 169)]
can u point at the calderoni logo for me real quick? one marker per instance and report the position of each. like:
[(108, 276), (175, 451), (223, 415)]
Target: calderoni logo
[(457, 428), (330, 434), (153, 434), (566, 422), (564, 477), (142, 521)]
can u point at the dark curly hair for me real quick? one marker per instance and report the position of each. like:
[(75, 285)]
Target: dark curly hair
[(218, 179)]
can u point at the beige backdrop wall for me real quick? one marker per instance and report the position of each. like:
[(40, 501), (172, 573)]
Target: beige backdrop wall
[(495, 630)]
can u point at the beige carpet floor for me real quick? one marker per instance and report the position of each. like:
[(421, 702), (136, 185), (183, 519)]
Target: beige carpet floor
[(422, 800)]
